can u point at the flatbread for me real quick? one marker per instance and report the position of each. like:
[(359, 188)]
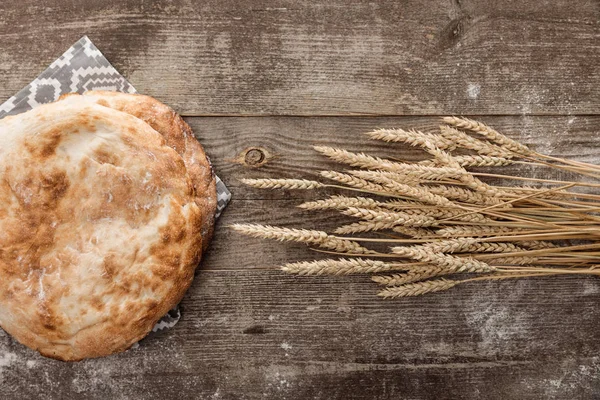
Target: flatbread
[(178, 135), (100, 230)]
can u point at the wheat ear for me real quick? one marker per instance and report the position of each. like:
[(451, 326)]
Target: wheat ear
[(342, 266), (412, 137), (464, 195), (353, 181), (319, 238), (413, 232), (482, 161), (488, 133), (451, 263), (417, 289), (364, 226), (468, 142), (409, 277), (340, 203), (456, 231), (469, 245), (268, 183), (399, 218)]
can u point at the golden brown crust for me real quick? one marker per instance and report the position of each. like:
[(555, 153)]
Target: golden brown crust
[(178, 136), (100, 230)]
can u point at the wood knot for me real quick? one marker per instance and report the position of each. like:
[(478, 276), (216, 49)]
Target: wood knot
[(253, 157)]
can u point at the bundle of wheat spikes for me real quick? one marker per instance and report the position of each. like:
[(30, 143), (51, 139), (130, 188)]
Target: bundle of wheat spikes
[(442, 220)]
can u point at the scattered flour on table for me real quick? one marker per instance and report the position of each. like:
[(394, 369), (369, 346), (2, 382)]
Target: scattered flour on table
[(473, 91), (6, 360)]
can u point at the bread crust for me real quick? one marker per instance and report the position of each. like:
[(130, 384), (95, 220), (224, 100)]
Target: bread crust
[(100, 228)]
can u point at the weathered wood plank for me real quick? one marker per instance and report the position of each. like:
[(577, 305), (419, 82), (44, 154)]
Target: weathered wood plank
[(320, 58), (250, 335)]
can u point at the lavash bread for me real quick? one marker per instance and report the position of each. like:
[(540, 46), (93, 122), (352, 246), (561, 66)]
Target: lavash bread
[(100, 228)]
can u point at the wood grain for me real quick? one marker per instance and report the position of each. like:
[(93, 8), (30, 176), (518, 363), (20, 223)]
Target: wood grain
[(323, 73), (250, 335), (339, 57)]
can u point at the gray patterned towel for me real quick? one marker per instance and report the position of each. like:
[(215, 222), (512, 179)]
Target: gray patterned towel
[(81, 68)]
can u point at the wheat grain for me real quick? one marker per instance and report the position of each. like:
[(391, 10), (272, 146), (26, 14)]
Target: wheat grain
[(488, 133), (319, 238), (409, 277), (267, 183), (451, 263), (412, 137), (342, 266), (417, 289)]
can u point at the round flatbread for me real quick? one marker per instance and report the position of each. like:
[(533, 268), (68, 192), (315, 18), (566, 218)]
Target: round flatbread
[(100, 229), (178, 135)]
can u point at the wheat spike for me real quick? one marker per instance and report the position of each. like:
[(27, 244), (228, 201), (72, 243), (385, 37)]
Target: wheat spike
[(412, 137), (267, 183), (411, 174), (342, 266), (463, 195), (456, 231), (537, 244), (364, 226), (413, 232), (445, 213), (513, 260), (399, 218), (353, 181), (375, 163), (319, 238), (451, 263), (482, 161), (469, 245), (468, 142), (489, 133), (419, 193), (340, 203), (409, 277), (417, 289)]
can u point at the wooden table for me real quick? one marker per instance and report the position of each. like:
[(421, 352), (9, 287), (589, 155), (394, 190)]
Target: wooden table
[(261, 82)]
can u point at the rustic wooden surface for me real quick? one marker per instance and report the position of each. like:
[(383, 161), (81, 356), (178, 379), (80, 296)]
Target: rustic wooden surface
[(278, 77)]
